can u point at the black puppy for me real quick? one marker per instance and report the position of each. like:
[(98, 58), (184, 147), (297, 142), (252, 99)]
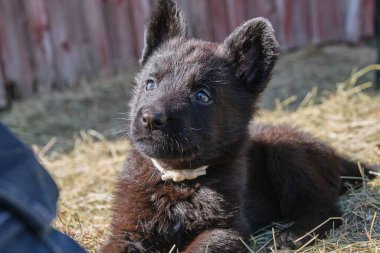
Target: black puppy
[(199, 177)]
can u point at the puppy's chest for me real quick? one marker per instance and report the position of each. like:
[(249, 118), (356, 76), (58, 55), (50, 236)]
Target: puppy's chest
[(186, 210)]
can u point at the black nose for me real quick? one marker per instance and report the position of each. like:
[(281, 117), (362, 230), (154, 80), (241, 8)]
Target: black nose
[(153, 120)]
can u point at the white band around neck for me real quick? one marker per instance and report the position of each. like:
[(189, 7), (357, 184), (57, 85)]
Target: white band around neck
[(179, 175)]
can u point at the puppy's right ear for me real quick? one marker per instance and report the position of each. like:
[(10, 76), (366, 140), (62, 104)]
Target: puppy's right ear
[(166, 22), (254, 50)]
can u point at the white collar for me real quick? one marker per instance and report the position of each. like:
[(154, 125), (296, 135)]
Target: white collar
[(179, 175)]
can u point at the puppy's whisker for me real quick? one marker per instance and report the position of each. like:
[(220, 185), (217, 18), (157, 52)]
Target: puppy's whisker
[(119, 132)]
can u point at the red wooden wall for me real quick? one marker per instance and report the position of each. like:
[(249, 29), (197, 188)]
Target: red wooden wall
[(46, 44)]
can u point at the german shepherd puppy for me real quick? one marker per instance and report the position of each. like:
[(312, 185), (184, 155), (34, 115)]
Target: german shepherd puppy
[(199, 176)]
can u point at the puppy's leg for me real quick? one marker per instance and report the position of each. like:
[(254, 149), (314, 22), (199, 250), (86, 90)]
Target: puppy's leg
[(306, 183), (217, 241), (121, 243), (311, 226)]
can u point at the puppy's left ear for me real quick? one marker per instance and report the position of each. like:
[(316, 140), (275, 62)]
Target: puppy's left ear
[(253, 49), (166, 21)]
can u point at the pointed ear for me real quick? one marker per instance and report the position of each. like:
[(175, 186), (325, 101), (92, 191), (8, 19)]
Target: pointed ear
[(254, 50), (166, 22)]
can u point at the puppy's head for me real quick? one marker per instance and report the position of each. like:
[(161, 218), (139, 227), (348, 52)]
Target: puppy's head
[(193, 99)]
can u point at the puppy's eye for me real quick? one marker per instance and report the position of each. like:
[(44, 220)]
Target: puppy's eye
[(150, 85), (202, 96)]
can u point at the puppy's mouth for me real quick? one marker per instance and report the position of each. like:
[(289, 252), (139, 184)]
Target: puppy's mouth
[(170, 150)]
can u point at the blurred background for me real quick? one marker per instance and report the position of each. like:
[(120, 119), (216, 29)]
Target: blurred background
[(76, 59)]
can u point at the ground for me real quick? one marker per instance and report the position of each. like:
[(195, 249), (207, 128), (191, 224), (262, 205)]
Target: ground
[(296, 73), (78, 136)]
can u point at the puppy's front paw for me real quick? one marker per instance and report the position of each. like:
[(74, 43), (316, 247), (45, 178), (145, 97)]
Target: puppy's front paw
[(114, 246), (286, 240)]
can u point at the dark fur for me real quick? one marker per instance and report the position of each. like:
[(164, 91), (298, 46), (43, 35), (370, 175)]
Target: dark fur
[(255, 176)]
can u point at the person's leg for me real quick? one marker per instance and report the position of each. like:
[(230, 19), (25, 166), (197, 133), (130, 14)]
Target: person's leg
[(28, 198)]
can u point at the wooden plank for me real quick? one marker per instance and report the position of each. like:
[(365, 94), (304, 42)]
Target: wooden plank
[(199, 13), (219, 22), (63, 42), (3, 95), (352, 21), (120, 33), (139, 11), (315, 22), (293, 23), (185, 6), (42, 48), (236, 12), (15, 48), (80, 42), (284, 26), (262, 8), (334, 20), (301, 23), (270, 9), (367, 12), (376, 25), (97, 35), (328, 20)]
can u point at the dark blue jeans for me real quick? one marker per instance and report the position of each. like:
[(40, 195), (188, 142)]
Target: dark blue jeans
[(28, 199)]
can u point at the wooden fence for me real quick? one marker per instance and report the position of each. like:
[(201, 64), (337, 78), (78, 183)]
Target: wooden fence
[(47, 44)]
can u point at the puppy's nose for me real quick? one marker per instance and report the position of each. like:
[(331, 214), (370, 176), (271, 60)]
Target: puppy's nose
[(153, 120)]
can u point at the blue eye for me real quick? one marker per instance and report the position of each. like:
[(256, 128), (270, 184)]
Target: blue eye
[(150, 85), (202, 96)]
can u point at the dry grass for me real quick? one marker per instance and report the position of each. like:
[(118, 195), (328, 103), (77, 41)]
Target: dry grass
[(348, 119), (86, 176)]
